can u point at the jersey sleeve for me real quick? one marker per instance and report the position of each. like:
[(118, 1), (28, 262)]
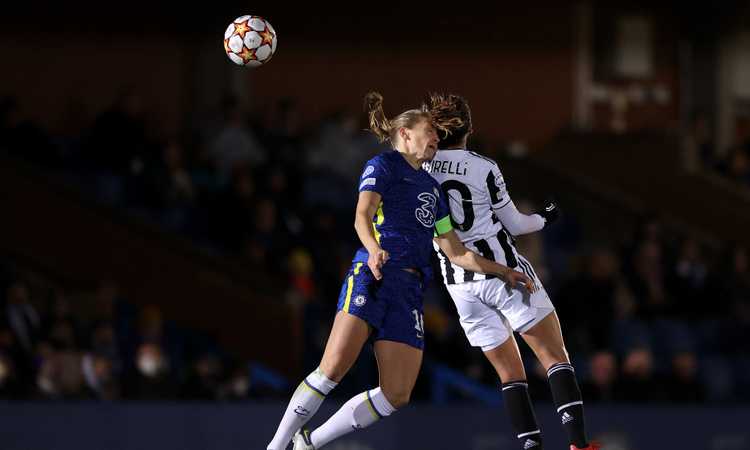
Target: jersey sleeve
[(443, 222), (496, 188), (376, 177)]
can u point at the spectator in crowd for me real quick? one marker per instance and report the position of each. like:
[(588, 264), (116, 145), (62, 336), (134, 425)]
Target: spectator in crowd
[(21, 135), (101, 381), (593, 300), (639, 382), (684, 386), (237, 386), (152, 377), (737, 166), (646, 272), (10, 388), (23, 324), (236, 145), (736, 292), (204, 379), (284, 135), (601, 385), (689, 276)]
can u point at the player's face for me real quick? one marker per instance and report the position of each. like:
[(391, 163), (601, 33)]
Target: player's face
[(424, 140)]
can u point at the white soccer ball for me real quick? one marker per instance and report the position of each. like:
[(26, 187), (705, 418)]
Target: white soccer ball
[(250, 41)]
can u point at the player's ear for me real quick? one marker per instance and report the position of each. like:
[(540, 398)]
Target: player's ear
[(404, 133)]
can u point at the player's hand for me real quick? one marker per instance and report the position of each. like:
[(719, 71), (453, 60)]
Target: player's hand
[(376, 260), (514, 278), (550, 212)]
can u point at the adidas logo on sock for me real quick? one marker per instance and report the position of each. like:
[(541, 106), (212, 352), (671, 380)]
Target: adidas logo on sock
[(530, 443), (566, 418)]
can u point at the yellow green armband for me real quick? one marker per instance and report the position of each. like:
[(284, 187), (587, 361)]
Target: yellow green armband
[(443, 226)]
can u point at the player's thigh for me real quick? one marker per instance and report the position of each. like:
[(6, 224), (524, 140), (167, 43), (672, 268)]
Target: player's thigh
[(545, 339), (398, 366), (348, 335), (506, 359), (481, 321)]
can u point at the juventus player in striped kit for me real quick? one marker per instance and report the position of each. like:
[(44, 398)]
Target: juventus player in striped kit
[(486, 219)]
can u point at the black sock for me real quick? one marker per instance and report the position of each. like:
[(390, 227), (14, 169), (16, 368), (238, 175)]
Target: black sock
[(518, 405), (568, 401)]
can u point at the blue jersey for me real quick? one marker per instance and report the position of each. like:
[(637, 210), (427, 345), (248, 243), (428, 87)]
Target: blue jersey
[(411, 212)]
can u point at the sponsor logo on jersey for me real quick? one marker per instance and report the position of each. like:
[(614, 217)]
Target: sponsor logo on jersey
[(530, 443), (426, 212), (566, 418), (368, 171)]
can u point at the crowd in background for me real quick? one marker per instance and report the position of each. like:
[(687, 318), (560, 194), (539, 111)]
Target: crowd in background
[(731, 163), (657, 317), (93, 344)]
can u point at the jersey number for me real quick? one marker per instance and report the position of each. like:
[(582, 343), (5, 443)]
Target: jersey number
[(466, 203)]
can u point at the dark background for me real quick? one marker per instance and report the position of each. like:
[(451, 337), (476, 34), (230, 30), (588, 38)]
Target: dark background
[(130, 239)]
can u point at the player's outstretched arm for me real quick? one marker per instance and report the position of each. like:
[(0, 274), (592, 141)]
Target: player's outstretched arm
[(367, 205), (458, 254), (518, 223)]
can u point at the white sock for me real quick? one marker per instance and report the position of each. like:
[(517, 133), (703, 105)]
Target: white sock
[(304, 404), (359, 412)]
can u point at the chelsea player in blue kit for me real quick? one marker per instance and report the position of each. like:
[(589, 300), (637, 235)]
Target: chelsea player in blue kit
[(399, 212)]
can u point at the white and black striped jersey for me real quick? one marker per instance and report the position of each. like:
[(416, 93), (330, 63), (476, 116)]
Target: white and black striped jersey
[(475, 189)]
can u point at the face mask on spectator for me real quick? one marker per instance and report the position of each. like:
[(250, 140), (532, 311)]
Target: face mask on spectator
[(148, 365), (240, 386), (46, 385)]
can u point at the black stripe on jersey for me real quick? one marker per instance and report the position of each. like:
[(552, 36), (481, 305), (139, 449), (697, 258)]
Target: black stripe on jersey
[(468, 275), (449, 270), (483, 157), (510, 257), (486, 251)]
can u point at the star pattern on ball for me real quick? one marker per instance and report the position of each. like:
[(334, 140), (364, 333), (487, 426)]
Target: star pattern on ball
[(267, 36), (247, 54), (226, 46), (240, 29)]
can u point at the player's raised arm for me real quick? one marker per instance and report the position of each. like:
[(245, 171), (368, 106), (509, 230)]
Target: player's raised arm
[(367, 205), (458, 254)]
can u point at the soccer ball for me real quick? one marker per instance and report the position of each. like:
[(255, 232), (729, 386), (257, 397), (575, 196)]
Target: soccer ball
[(250, 41)]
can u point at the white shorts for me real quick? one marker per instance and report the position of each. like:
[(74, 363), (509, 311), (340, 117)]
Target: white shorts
[(490, 311)]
